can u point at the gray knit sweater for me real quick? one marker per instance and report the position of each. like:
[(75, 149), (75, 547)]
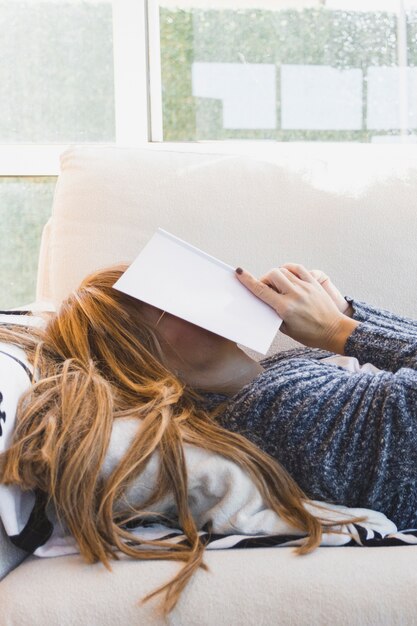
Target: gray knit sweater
[(346, 437)]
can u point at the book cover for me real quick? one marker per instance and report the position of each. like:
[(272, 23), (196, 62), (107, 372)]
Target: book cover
[(183, 280)]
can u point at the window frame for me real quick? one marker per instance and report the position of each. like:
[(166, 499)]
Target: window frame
[(131, 93), (138, 96)]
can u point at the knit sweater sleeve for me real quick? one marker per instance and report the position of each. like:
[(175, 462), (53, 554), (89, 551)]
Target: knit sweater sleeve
[(347, 438), (385, 339)]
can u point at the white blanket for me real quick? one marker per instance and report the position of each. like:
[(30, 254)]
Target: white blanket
[(220, 492)]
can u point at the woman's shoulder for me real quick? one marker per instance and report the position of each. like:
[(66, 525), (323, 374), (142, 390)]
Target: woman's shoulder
[(268, 378), (302, 352)]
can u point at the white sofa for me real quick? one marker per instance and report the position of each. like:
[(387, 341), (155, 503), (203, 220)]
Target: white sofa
[(350, 210)]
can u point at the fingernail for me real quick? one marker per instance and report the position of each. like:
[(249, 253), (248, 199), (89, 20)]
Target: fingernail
[(238, 270)]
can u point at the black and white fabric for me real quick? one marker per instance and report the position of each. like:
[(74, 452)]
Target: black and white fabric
[(217, 541), (237, 518), (22, 513)]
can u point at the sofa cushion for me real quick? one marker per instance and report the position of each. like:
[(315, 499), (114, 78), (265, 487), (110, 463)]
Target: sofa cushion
[(339, 210)]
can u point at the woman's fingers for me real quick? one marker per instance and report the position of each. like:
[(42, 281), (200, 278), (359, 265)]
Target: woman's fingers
[(299, 270), (320, 276), (291, 276), (329, 287), (279, 279), (323, 279)]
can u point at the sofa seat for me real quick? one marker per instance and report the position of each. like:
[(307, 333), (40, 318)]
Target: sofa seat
[(350, 586)]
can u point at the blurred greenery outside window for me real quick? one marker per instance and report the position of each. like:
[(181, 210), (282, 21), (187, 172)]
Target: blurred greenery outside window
[(58, 87), (200, 47), (25, 206)]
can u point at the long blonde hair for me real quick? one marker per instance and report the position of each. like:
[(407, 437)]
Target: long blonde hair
[(97, 360)]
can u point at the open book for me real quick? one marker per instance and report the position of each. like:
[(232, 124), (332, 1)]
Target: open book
[(179, 278)]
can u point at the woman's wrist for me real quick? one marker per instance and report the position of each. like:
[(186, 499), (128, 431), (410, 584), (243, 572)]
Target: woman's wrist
[(340, 333)]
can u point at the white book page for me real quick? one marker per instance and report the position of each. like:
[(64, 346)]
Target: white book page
[(179, 278)]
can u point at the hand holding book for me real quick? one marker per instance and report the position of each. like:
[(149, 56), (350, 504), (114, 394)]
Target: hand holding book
[(310, 314)]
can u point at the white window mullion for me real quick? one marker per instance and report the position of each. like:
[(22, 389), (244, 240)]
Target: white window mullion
[(131, 81), (402, 69), (155, 78)]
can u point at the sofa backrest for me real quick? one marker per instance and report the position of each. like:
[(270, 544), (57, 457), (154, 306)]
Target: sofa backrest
[(351, 213)]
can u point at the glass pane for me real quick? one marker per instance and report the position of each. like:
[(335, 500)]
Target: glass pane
[(25, 206), (289, 70), (56, 71)]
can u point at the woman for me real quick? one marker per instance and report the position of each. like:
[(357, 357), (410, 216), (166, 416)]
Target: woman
[(105, 356), (344, 432)]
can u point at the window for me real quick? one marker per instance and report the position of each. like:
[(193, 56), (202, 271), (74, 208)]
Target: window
[(133, 71), (56, 72), (25, 205), (288, 70)]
